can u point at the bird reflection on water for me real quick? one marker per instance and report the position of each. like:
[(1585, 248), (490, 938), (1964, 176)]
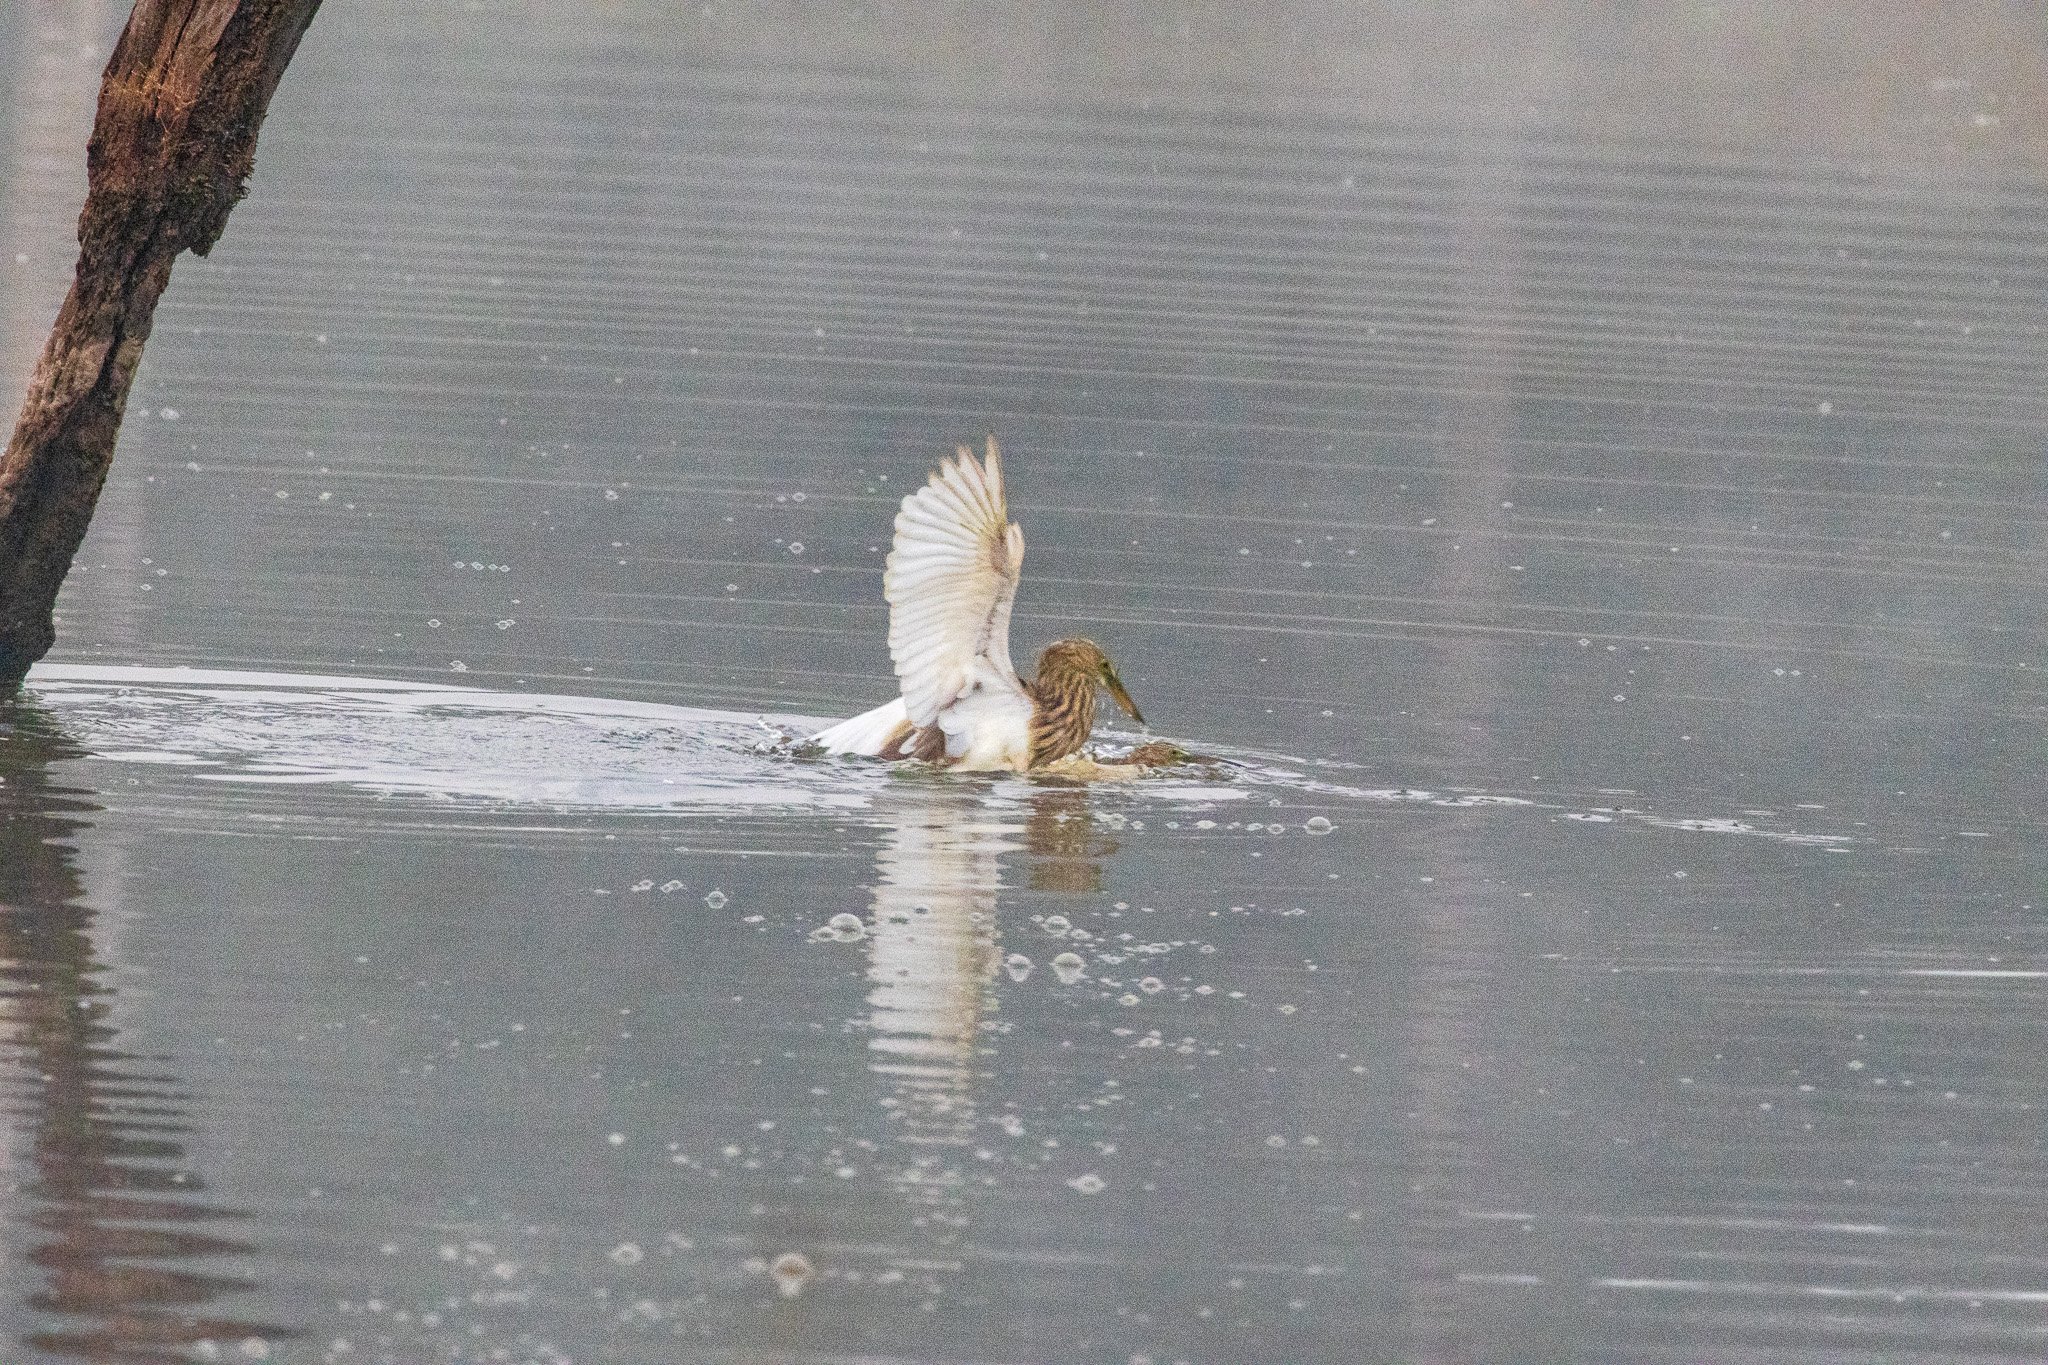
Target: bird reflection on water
[(932, 958), (116, 1215), (935, 958), (1067, 843)]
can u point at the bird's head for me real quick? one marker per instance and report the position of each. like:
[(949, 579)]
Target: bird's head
[(1084, 659)]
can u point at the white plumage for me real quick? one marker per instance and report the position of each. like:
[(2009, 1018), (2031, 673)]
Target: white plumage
[(951, 579), (868, 733)]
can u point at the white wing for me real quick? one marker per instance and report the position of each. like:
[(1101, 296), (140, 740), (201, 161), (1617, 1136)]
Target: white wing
[(951, 577), (872, 733)]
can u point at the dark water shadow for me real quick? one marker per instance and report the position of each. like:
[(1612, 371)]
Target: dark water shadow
[(120, 1227)]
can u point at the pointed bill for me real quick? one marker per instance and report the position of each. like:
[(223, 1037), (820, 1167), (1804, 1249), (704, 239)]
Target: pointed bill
[(1123, 698)]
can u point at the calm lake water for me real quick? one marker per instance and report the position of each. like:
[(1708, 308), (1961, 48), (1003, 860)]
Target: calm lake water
[(1583, 478)]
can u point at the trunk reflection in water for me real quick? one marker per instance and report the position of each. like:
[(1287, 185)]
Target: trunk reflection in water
[(114, 1210)]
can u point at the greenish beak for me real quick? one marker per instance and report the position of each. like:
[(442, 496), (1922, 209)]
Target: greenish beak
[(1116, 689)]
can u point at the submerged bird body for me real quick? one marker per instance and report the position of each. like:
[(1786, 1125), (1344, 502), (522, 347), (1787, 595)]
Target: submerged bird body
[(951, 579)]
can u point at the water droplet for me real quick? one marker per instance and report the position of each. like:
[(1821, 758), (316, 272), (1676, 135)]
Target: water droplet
[(792, 1271), (796, 547), (1151, 985), (1318, 824), (1069, 968), (626, 1253), (1087, 1183), (716, 900), (846, 928), (1018, 966)]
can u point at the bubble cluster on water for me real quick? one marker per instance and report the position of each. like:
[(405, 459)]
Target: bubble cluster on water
[(425, 1321), (1186, 1046), (841, 928)]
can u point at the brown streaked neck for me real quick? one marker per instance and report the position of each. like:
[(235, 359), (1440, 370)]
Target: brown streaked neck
[(1064, 711)]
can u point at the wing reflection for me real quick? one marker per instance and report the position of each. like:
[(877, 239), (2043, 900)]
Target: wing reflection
[(932, 959), (111, 1203)]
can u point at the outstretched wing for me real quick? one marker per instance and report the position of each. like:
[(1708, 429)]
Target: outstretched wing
[(951, 577)]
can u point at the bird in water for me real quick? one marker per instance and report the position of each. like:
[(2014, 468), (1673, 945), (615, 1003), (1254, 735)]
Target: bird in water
[(950, 580)]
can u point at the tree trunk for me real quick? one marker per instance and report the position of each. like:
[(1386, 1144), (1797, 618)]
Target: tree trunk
[(183, 97)]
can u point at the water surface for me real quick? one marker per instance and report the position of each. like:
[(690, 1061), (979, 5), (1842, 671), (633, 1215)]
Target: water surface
[(1608, 494)]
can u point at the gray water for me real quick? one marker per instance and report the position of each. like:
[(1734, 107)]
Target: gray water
[(1583, 477)]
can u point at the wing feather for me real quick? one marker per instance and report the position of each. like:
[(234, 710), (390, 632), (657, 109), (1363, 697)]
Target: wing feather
[(951, 578)]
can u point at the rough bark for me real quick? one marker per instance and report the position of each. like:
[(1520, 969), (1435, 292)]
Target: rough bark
[(180, 105)]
